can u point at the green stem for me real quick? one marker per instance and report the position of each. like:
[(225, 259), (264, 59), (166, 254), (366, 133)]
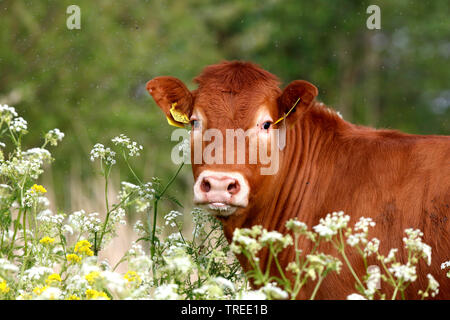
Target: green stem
[(131, 169), (155, 207), (341, 249), (16, 226), (319, 282), (108, 212), (25, 231), (280, 270), (396, 290), (351, 269)]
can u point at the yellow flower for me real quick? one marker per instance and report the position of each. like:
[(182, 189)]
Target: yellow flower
[(132, 276), (4, 288), (72, 257), (92, 294), (37, 188), (38, 290), (73, 297), (47, 240), (84, 246), (53, 278), (92, 276)]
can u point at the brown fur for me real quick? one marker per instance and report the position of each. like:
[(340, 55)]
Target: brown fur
[(399, 180)]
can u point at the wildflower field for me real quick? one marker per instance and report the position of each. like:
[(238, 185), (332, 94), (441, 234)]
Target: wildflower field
[(54, 255)]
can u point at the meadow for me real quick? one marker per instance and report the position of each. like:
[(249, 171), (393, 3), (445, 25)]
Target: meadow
[(56, 255)]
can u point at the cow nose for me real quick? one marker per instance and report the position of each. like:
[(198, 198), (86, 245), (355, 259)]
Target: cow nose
[(221, 188), (225, 186)]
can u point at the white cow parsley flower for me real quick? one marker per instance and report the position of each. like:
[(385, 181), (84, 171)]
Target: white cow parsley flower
[(167, 292), (371, 247), (273, 292), (19, 125), (54, 136), (104, 154), (404, 272), (331, 224), (355, 296), (7, 113), (130, 147)]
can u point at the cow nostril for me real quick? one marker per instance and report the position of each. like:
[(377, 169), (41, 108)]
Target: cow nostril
[(233, 187), (205, 186)]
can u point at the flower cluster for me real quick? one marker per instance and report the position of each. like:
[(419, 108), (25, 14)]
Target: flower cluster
[(105, 155), (130, 148), (54, 136), (331, 224)]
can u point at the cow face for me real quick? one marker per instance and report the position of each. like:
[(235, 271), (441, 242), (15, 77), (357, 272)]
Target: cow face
[(238, 123)]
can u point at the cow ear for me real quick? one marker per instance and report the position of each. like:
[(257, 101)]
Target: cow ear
[(173, 97), (296, 98)]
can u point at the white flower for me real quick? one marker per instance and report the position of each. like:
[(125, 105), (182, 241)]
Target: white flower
[(331, 224), (272, 291), (296, 226), (373, 280), (19, 125), (357, 238), (7, 113), (82, 222), (179, 262), (253, 295), (141, 263), (104, 154), (50, 293), (413, 242), (39, 154), (244, 239), (54, 136), (355, 296), (224, 283), (364, 223), (171, 217), (433, 285), (406, 273), (37, 272), (113, 281), (167, 292), (371, 247), (391, 255), (7, 266), (275, 238), (76, 282), (131, 147), (445, 264)]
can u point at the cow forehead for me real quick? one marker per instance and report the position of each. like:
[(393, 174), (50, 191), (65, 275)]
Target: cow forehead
[(233, 109)]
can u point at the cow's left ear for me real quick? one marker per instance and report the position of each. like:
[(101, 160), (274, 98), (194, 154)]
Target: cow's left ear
[(296, 98), (174, 99)]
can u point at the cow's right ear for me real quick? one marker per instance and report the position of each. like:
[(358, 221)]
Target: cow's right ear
[(295, 99), (173, 97)]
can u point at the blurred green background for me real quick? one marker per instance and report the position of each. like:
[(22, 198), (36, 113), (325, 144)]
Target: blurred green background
[(90, 83)]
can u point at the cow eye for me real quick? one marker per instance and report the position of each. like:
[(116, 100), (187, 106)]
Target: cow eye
[(195, 124), (266, 125)]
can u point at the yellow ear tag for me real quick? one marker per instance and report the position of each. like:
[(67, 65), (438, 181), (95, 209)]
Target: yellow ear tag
[(285, 116), (177, 115), (173, 123)]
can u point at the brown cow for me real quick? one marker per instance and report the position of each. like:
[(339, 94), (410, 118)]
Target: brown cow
[(399, 180)]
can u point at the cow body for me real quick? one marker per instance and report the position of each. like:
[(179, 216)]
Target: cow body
[(399, 180)]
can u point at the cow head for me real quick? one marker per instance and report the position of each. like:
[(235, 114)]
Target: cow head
[(232, 99)]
